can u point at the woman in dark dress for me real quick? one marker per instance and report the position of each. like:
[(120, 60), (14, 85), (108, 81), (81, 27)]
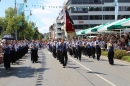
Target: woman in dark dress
[(7, 56), (110, 52)]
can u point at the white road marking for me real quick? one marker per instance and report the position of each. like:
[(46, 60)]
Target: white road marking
[(93, 72)]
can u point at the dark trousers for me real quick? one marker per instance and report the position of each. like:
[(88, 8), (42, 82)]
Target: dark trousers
[(79, 53), (93, 52), (98, 50), (64, 58), (89, 52), (7, 61), (54, 53), (74, 52), (34, 56), (59, 55), (13, 56), (110, 57)]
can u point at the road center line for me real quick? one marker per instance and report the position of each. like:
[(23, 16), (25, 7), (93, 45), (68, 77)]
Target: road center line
[(93, 72)]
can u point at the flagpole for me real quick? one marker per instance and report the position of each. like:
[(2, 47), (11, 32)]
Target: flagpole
[(116, 10), (16, 15)]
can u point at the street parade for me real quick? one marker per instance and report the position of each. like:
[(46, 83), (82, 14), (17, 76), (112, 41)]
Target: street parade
[(65, 43)]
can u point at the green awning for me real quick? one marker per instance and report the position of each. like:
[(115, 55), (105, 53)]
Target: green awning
[(94, 29), (118, 25)]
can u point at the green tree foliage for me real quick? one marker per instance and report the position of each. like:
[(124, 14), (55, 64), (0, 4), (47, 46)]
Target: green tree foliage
[(12, 22)]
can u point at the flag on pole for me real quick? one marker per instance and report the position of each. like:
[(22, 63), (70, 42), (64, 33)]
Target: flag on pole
[(116, 10), (69, 29), (27, 18)]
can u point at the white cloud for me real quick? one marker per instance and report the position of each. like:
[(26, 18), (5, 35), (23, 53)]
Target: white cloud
[(48, 15)]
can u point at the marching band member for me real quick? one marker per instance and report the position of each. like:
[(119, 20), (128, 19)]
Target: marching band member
[(79, 45), (70, 48), (89, 48), (110, 52), (54, 48), (64, 53), (98, 48), (7, 56), (93, 48)]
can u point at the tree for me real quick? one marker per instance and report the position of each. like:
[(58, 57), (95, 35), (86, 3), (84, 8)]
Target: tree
[(12, 22)]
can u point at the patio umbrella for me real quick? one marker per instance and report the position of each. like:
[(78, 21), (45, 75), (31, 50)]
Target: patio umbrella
[(118, 25), (105, 28), (127, 23), (7, 37)]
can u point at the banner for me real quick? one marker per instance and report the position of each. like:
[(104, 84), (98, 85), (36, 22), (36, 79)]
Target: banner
[(20, 24), (20, 9), (27, 18)]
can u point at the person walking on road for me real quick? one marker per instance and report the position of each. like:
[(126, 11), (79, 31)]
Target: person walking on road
[(7, 56), (110, 52)]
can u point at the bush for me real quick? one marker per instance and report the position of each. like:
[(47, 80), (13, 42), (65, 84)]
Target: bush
[(126, 58), (104, 53), (118, 54)]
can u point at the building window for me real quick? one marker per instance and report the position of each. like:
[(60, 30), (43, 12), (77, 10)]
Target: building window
[(90, 1), (74, 17), (85, 17), (80, 26), (80, 17), (79, 1), (74, 1), (85, 1)]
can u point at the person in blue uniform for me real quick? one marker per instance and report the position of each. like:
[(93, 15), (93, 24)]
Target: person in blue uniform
[(110, 52), (89, 48), (7, 56), (59, 51), (98, 48), (13, 54), (64, 53)]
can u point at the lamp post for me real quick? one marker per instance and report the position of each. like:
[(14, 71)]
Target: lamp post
[(30, 15)]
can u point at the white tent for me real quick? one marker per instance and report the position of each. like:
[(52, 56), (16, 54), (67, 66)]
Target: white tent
[(105, 27)]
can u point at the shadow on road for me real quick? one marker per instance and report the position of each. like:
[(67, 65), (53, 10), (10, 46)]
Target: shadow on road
[(73, 67), (119, 65), (96, 73), (25, 71)]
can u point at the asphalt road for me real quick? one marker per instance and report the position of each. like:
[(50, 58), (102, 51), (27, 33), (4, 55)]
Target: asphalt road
[(49, 72)]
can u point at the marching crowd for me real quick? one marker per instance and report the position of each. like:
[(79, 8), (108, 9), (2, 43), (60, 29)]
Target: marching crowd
[(90, 47), (11, 51)]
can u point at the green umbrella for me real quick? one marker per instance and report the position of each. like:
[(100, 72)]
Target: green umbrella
[(118, 25), (95, 29)]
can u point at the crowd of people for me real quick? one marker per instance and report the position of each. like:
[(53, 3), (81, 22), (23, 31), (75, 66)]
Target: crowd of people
[(11, 51), (91, 47)]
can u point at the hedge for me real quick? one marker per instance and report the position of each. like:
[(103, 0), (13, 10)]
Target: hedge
[(118, 54), (126, 58)]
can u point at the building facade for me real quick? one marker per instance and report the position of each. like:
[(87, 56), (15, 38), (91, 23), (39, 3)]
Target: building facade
[(51, 32), (57, 28), (90, 13)]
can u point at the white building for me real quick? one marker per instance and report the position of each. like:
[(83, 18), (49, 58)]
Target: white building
[(57, 28), (89, 13)]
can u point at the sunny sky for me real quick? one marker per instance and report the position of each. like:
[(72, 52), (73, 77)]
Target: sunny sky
[(43, 18)]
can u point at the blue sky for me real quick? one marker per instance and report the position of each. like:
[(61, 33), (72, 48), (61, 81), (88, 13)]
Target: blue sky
[(42, 18)]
